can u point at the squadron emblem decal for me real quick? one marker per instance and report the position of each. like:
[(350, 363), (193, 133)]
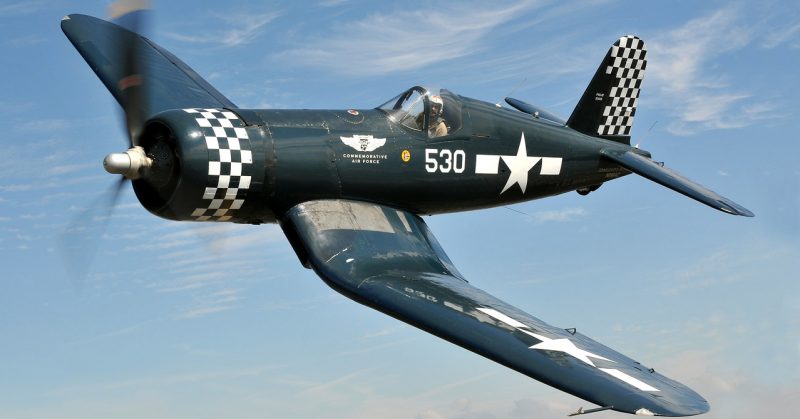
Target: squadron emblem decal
[(364, 144)]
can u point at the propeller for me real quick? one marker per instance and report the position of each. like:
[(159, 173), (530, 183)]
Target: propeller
[(80, 241), (134, 16)]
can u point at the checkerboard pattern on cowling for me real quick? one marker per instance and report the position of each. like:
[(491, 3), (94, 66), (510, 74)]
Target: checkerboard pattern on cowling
[(628, 63), (229, 162)]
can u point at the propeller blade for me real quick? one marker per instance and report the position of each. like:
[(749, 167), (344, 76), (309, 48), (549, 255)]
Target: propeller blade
[(78, 244), (133, 15)]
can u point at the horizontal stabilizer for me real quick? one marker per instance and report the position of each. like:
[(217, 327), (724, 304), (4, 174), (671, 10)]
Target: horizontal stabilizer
[(643, 166)]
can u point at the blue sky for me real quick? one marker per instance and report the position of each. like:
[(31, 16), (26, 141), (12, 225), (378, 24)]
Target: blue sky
[(210, 320)]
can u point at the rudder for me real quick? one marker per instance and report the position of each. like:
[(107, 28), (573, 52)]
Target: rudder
[(608, 105)]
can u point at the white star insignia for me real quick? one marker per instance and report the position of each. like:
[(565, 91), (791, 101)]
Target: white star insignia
[(519, 165), (564, 345), (547, 344)]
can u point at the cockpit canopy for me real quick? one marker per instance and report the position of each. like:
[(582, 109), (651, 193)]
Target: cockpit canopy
[(435, 111)]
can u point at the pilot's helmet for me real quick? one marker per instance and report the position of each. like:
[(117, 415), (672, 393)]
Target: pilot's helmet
[(436, 104)]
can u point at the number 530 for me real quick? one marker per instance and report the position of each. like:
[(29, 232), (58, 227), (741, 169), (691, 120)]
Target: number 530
[(445, 160)]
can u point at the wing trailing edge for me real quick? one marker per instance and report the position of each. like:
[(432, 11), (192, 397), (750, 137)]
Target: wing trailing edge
[(388, 259), (656, 172)]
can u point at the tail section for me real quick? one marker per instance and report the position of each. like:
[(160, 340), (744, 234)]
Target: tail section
[(608, 105)]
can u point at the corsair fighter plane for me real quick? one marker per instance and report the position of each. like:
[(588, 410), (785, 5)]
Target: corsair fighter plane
[(349, 187)]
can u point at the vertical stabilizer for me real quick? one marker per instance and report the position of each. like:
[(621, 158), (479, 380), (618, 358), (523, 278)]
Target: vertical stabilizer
[(608, 105)]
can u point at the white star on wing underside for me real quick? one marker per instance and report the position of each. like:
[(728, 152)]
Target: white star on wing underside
[(519, 165), (563, 345)]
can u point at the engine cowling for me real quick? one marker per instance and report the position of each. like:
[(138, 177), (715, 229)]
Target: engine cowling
[(203, 167)]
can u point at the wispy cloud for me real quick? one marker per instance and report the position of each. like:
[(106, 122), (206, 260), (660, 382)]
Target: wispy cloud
[(15, 8), (44, 125), (681, 65), (331, 390), (367, 349), (404, 40), (305, 304), (203, 311), (331, 3), (25, 41), (562, 215), (723, 266), (215, 302), (70, 168), (780, 36), (49, 184), (383, 332), (566, 214), (243, 28)]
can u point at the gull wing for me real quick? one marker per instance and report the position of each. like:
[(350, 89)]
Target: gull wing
[(387, 259), (172, 84)]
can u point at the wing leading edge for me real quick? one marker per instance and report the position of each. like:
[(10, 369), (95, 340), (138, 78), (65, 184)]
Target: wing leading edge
[(172, 84), (388, 260)]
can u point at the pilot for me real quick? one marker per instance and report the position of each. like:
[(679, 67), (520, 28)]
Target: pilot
[(436, 126)]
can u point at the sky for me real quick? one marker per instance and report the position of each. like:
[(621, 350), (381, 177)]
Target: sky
[(188, 320)]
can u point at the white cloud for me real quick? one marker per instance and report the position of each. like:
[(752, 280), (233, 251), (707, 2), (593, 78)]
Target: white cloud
[(782, 36), (44, 125), (331, 390), (404, 40), (203, 311), (25, 41), (331, 3), (244, 28), (214, 302), (562, 215), (681, 64), (16, 8), (733, 391), (722, 266), (70, 168), (566, 214)]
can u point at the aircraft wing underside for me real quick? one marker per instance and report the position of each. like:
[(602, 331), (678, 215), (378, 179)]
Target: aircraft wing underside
[(388, 259)]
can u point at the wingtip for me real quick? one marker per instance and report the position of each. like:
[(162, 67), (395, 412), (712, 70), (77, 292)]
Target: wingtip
[(735, 209), (747, 213), (66, 21), (72, 19)]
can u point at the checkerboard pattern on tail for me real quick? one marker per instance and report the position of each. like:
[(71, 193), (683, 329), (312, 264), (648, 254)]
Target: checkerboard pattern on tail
[(229, 163), (627, 66)]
